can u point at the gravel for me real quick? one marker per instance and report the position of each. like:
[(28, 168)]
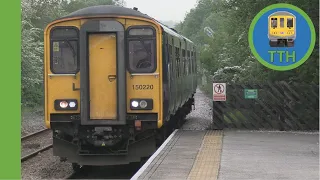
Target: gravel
[(32, 120), (201, 117), (45, 166)]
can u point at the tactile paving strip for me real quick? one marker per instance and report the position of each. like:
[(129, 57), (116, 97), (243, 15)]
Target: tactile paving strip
[(206, 165)]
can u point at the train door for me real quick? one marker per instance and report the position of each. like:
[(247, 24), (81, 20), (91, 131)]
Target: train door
[(102, 76)]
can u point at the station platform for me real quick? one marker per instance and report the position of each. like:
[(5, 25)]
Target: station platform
[(233, 155)]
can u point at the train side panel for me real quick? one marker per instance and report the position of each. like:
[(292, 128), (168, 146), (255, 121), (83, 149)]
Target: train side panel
[(180, 72)]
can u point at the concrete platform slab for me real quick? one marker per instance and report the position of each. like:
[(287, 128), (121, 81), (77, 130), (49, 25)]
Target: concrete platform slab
[(269, 155), (233, 155)]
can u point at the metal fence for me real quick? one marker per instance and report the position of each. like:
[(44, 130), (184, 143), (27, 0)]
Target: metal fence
[(270, 106)]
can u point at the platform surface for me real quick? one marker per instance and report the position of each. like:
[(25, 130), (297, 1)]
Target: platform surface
[(233, 155)]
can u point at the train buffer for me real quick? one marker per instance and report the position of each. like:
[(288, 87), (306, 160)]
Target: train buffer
[(234, 155)]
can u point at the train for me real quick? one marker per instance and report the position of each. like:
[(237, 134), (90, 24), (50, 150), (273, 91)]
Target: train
[(117, 82), (282, 29)]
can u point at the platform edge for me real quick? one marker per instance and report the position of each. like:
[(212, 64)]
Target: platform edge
[(154, 155)]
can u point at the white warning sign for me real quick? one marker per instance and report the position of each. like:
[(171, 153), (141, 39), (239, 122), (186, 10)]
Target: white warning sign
[(219, 92)]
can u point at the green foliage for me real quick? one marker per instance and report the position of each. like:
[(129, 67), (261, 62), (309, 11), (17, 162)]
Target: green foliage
[(74, 5), (226, 56), (31, 53)]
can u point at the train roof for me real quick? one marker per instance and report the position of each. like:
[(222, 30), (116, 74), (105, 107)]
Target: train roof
[(173, 33), (105, 10), (119, 11)]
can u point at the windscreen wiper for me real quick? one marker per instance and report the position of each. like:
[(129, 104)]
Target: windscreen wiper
[(72, 49)]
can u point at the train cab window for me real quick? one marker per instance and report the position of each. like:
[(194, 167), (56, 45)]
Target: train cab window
[(141, 49), (274, 22), (281, 22), (64, 50), (290, 22), (141, 56)]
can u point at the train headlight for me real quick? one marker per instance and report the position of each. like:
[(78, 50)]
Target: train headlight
[(65, 104), (135, 104), (72, 104), (141, 104)]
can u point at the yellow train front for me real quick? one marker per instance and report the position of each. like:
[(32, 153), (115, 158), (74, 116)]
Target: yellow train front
[(117, 82), (281, 29)]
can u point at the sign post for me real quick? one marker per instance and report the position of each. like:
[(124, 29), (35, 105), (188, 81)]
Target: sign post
[(219, 92)]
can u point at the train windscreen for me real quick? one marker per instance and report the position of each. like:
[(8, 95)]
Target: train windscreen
[(290, 22)]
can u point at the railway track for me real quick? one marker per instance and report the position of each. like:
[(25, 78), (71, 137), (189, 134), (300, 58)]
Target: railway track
[(26, 157), (33, 134), (35, 143)]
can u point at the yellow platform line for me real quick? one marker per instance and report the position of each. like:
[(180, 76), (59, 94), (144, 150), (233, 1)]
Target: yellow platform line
[(207, 163)]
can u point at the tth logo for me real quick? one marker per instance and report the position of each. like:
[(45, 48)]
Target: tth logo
[(282, 37)]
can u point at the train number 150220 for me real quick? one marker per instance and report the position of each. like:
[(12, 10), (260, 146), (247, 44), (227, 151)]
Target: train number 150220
[(142, 87)]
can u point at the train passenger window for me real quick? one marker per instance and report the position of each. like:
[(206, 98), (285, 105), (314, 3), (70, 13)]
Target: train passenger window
[(183, 61), (190, 64), (177, 61), (282, 22), (170, 53), (142, 56), (290, 22), (274, 22), (64, 50), (194, 62)]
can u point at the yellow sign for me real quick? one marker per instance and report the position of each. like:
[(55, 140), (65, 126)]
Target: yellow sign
[(56, 46)]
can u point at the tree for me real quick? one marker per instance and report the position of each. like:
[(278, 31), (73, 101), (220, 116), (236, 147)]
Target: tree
[(227, 55), (74, 5), (31, 50)]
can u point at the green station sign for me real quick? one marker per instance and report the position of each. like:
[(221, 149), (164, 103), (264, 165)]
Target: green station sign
[(250, 93)]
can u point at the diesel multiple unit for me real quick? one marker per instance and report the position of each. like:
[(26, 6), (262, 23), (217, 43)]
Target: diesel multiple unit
[(117, 82)]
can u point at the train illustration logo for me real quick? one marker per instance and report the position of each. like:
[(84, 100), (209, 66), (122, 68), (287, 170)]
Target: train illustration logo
[(273, 37), (282, 29)]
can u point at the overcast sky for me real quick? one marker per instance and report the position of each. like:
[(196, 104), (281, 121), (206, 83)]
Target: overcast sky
[(164, 10)]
